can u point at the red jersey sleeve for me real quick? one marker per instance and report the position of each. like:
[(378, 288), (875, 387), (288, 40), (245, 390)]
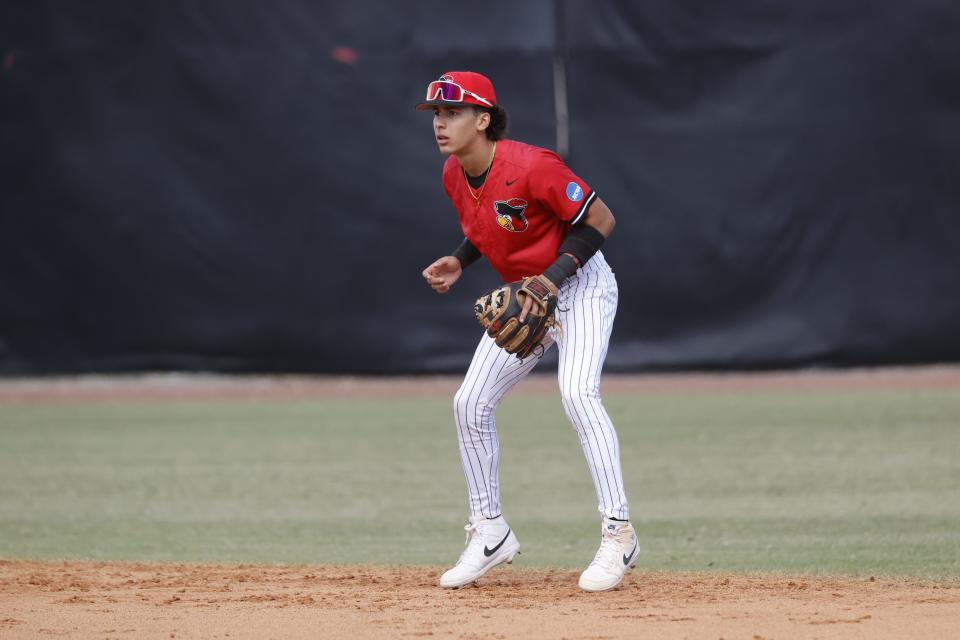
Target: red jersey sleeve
[(446, 177), (559, 189)]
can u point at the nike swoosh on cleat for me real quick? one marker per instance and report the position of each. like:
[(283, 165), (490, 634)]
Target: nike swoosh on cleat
[(626, 557), (489, 552)]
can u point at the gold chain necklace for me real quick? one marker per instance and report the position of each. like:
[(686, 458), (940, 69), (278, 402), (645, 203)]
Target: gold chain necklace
[(479, 192)]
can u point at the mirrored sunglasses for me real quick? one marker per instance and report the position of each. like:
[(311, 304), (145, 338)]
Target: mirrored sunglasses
[(451, 92)]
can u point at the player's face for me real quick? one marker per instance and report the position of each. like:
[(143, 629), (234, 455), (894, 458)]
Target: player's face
[(456, 128)]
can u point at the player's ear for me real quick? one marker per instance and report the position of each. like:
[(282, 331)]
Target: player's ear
[(483, 119)]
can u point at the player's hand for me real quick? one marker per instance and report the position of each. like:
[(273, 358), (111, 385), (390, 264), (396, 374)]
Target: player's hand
[(443, 273), (529, 303)]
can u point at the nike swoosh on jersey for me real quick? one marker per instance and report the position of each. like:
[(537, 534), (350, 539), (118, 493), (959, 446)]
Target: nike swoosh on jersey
[(489, 552), (626, 557), (510, 182)]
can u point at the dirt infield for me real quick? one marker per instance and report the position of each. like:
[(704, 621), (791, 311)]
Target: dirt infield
[(163, 387), (135, 600), (117, 600)]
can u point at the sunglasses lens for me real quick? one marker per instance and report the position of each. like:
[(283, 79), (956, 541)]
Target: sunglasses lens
[(447, 91)]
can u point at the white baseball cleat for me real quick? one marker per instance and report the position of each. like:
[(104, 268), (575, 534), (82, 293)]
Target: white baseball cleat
[(489, 542), (619, 550)]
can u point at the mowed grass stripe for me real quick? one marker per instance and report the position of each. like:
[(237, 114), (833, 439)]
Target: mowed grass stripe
[(847, 482)]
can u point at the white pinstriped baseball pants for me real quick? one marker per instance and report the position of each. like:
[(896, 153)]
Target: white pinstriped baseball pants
[(586, 308)]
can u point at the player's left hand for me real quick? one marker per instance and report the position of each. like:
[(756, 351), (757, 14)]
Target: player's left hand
[(530, 302), (499, 313)]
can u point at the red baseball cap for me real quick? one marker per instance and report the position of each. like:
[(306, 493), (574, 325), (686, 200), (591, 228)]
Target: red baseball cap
[(460, 87)]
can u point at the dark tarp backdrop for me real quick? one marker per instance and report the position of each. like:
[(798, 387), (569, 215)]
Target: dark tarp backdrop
[(244, 186)]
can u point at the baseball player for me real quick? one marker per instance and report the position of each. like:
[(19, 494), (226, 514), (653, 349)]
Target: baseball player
[(524, 210)]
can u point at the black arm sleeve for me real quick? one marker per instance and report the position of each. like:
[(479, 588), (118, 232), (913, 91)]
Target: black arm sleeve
[(466, 253), (561, 269), (582, 242), (579, 246)]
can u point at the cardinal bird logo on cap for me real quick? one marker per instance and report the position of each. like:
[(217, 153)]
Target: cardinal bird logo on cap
[(510, 214)]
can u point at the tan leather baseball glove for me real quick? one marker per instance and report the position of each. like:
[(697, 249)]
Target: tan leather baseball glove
[(499, 313)]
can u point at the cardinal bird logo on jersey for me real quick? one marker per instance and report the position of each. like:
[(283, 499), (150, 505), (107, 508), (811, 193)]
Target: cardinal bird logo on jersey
[(510, 214)]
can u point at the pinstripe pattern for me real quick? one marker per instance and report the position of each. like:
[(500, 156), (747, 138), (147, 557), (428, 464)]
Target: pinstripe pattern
[(586, 310)]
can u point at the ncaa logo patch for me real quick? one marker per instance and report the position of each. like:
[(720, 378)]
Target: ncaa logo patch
[(510, 214), (574, 192)]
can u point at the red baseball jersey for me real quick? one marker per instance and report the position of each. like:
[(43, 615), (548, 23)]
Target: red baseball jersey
[(524, 209)]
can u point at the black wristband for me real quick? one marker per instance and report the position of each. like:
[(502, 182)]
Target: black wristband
[(466, 253), (582, 242), (561, 269)]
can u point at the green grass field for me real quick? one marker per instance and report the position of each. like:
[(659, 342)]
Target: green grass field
[(821, 482)]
